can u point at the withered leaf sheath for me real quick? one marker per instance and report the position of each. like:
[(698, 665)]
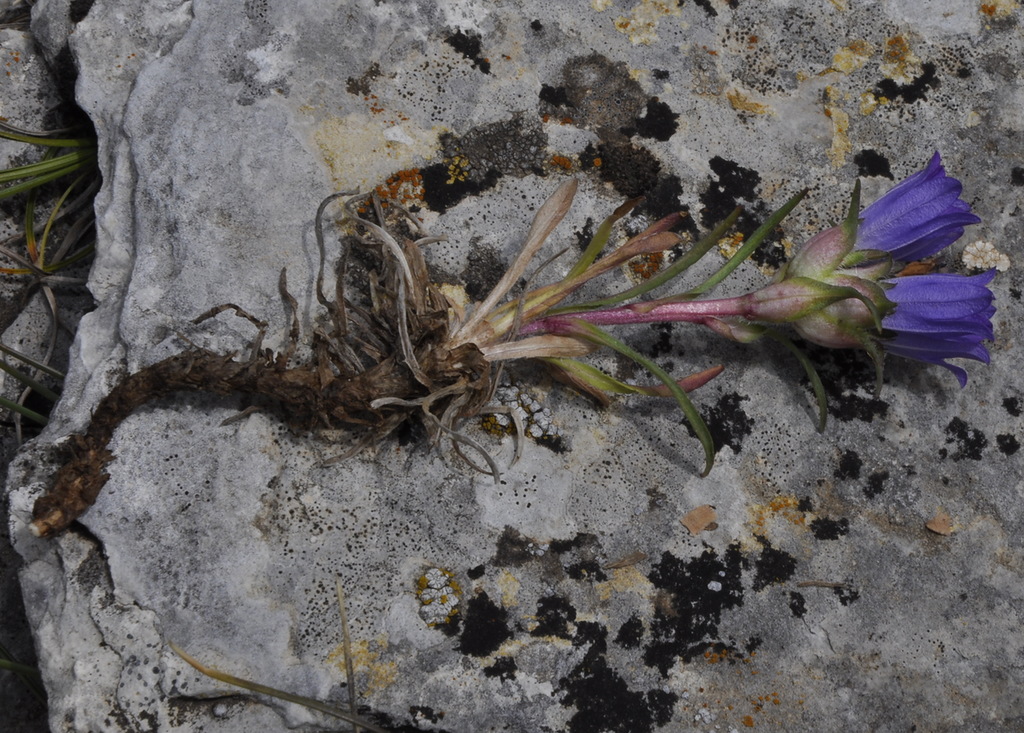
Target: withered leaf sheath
[(383, 357)]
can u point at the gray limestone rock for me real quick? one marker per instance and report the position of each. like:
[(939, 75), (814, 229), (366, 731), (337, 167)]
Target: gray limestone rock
[(819, 600)]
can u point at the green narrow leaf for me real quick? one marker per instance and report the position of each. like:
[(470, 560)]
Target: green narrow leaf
[(600, 238), (31, 362), (812, 375), (596, 335), (30, 414), (273, 692), (852, 220), (66, 163), (676, 268), (752, 243), (54, 142), (28, 381), (29, 675)]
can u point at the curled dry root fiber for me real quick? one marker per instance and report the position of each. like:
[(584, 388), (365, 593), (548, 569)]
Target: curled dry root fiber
[(384, 354)]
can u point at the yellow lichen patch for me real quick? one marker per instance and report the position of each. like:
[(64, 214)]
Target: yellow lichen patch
[(899, 62), (998, 8), (458, 169), (730, 245), (359, 154), (852, 56), (641, 25), (600, 5), (741, 102), (366, 657), (868, 103), (840, 146), (625, 580), (508, 585)]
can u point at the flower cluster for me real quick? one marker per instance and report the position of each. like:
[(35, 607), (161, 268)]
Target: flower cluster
[(853, 285)]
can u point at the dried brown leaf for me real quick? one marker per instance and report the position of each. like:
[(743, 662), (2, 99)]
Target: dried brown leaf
[(699, 519)]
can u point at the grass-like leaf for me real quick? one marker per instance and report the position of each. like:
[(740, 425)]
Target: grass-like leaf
[(603, 338), (812, 374), (273, 692)]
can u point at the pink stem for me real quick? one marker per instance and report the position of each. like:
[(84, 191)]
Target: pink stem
[(699, 311)]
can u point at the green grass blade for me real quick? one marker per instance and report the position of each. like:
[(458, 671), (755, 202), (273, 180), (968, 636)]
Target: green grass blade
[(49, 142), (28, 381), (600, 239), (752, 243), (676, 268), (66, 163), (596, 335), (273, 692), (31, 362), (21, 409), (812, 375), (29, 675)]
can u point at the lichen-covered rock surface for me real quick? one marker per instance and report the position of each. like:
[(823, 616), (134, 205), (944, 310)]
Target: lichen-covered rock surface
[(571, 596)]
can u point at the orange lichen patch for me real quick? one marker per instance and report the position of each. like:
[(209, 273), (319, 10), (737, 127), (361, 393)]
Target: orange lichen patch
[(785, 507), (646, 266), (899, 62), (748, 721), (561, 161), (998, 9), (598, 162), (404, 187), (714, 657)]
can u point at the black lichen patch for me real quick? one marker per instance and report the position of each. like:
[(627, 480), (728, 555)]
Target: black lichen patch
[(1017, 176), (630, 633), (554, 614), (485, 627), (734, 185), (536, 26), (475, 573), (662, 199), (555, 96), (1007, 444), (846, 595), (843, 374), (555, 443), (805, 505), (599, 95), (916, 90), (727, 421), (797, 604), (604, 701), (425, 714), (514, 549), (361, 85), (849, 466), (632, 170), (772, 566), (876, 484), (659, 123), (696, 592), (441, 191), (969, 442), (484, 269), (504, 668), (707, 7), (829, 529), (871, 163), (663, 340), (468, 44), (1012, 405), (586, 570)]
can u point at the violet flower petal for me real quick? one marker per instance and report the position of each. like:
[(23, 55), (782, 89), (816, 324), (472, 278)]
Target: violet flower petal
[(918, 217), (940, 316)]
